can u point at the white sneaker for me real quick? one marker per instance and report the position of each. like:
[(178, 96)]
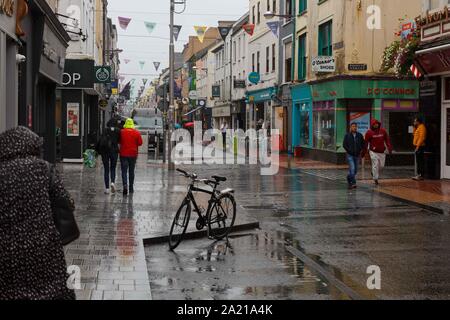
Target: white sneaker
[(107, 191), (113, 188)]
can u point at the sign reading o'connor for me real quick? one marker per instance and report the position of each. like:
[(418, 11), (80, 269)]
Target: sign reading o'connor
[(323, 64)]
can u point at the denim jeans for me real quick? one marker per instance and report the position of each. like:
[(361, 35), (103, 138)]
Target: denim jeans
[(109, 165), (128, 165), (353, 163)]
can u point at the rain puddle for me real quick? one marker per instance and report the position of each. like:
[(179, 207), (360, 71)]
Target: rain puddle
[(248, 266)]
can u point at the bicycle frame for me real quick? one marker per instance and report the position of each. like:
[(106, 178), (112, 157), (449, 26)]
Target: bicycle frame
[(191, 198)]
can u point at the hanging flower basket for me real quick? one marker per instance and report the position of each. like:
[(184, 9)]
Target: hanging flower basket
[(399, 56)]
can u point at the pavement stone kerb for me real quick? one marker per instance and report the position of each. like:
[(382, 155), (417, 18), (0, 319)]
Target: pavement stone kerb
[(428, 207)]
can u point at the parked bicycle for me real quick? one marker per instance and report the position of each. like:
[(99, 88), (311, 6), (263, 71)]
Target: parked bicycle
[(219, 217)]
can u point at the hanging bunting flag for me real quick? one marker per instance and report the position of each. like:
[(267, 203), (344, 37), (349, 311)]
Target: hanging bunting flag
[(273, 26), (127, 61), (200, 30), (224, 31), (249, 28), (142, 64), (150, 26), (176, 31), (144, 81), (124, 22), (156, 64)]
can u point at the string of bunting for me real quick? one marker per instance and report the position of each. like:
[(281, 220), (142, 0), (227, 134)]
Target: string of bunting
[(200, 31)]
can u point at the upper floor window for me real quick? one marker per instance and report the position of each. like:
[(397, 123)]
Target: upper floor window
[(302, 6), (326, 39)]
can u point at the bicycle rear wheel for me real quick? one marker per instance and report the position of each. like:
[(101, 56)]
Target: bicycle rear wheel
[(221, 217), (179, 225)]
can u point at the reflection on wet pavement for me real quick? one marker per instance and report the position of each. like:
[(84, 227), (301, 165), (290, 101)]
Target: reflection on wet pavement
[(251, 266)]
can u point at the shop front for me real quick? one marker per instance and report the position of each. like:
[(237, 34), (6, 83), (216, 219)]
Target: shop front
[(259, 108), (302, 117), (79, 110), (337, 104), (8, 67), (238, 114), (43, 46), (433, 60), (221, 114)]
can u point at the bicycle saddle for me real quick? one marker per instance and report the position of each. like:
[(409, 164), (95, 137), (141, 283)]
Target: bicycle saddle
[(219, 179)]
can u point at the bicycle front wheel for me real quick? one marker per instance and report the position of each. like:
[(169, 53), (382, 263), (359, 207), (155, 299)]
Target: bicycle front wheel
[(179, 225), (221, 217)]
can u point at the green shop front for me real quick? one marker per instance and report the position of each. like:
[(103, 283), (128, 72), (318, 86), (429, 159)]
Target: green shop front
[(338, 103), (259, 108)]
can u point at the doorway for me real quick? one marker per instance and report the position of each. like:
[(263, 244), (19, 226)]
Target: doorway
[(446, 142)]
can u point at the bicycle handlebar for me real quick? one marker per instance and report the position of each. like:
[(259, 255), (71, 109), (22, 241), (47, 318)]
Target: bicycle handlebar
[(194, 178)]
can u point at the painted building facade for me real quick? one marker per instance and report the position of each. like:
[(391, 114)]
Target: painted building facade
[(339, 45)]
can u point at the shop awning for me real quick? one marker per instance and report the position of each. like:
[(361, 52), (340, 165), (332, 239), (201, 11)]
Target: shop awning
[(434, 60)]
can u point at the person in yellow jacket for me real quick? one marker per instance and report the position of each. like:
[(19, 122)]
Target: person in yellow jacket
[(420, 137)]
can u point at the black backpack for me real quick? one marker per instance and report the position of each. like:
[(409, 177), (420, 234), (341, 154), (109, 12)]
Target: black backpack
[(104, 144)]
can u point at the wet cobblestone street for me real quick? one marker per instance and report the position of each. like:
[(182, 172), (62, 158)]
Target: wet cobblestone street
[(342, 231)]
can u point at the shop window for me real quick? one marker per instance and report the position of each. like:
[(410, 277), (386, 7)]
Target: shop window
[(397, 124), (304, 126), (324, 126), (447, 89)]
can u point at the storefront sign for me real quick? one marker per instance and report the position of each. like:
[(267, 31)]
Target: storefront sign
[(428, 88), (362, 119), (193, 95), (78, 74), (239, 84), (254, 77), (434, 24), (371, 89), (73, 119), (261, 95), (103, 104), (323, 64), (103, 74), (391, 91), (216, 91), (224, 111), (434, 17), (357, 67)]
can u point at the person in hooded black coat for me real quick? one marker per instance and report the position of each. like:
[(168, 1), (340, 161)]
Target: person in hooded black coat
[(32, 263)]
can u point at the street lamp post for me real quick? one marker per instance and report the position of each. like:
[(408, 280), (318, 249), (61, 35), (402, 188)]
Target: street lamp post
[(171, 88)]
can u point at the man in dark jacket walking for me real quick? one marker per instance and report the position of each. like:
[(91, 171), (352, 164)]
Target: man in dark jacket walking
[(354, 146), (32, 263), (108, 148)]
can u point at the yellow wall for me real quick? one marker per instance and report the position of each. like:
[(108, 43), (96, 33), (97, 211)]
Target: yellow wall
[(99, 29), (360, 44)]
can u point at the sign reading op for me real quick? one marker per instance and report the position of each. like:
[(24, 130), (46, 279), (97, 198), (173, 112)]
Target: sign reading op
[(103, 74)]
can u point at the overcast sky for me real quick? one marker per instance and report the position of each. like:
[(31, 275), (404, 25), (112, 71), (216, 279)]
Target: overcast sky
[(155, 46)]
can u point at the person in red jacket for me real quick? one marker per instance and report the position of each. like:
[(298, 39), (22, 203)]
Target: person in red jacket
[(130, 141), (377, 140)]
